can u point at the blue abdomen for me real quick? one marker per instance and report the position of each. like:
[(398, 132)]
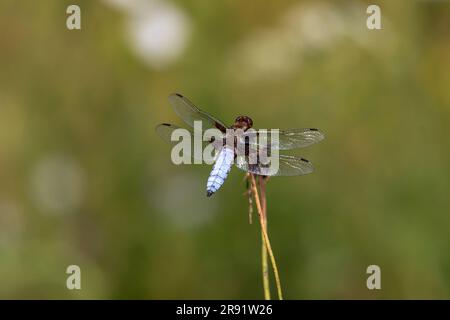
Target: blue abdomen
[(220, 171)]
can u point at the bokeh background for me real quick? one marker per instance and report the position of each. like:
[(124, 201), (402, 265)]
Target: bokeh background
[(85, 180)]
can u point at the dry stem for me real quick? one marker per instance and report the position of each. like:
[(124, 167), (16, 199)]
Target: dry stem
[(266, 247)]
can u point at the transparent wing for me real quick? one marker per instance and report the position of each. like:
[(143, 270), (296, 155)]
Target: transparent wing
[(165, 130), (287, 139), (169, 134), (187, 111), (288, 166)]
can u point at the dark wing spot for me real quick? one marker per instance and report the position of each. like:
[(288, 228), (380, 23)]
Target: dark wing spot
[(179, 95), (165, 124), (303, 159), (314, 129)]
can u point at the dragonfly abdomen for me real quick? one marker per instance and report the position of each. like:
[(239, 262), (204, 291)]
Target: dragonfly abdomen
[(220, 171)]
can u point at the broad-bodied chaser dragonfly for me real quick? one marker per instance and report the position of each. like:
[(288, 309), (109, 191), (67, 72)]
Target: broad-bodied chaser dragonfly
[(227, 154)]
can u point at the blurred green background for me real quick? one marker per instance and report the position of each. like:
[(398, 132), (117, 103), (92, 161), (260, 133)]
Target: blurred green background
[(85, 180)]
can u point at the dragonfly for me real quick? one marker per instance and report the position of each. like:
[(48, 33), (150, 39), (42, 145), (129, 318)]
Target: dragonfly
[(227, 155)]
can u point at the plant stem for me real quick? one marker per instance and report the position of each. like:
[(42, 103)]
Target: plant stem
[(266, 241), (265, 265), (265, 269)]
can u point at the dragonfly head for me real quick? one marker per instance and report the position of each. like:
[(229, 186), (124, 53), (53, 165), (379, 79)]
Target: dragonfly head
[(243, 122)]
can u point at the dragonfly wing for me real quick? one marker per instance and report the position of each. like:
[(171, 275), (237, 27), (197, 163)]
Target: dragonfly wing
[(187, 111), (287, 139), (173, 135), (165, 131), (288, 166)]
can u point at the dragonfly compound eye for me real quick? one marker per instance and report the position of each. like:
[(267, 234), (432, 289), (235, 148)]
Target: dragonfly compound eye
[(243, 122)]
